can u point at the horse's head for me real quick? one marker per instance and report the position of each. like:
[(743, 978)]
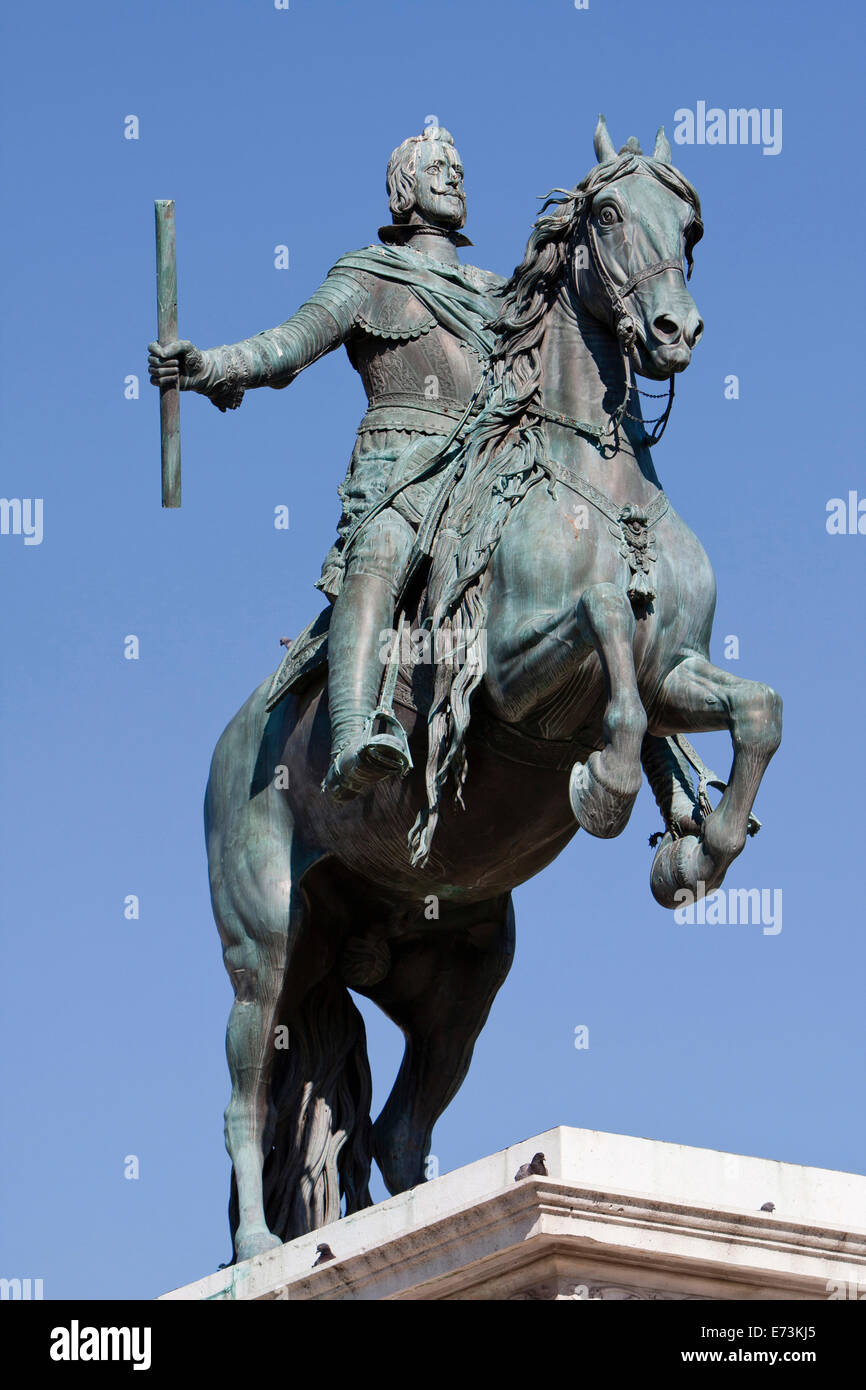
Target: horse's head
[(639, 221)]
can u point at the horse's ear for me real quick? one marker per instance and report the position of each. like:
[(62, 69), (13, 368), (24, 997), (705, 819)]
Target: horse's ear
[(662, 151), (601, 141)]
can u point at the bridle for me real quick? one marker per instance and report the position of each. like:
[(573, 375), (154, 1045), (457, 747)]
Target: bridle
[(633, 525), (626, 327), (627, 330)]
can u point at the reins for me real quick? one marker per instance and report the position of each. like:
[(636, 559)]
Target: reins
[(627, 331)]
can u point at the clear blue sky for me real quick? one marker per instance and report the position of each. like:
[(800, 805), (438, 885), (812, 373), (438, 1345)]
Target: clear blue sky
[(272, 127)]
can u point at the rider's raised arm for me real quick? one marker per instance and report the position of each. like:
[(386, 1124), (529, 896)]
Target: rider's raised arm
[(276, 356)]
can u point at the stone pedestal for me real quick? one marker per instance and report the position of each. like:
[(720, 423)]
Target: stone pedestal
[(617, 1218)]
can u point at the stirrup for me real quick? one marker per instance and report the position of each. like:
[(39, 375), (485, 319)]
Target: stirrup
[(368, 758)]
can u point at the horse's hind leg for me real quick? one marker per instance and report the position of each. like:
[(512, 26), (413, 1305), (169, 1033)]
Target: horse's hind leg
[(700, 697), (604, 788), (257, 912), (255, 958), (439, 992)]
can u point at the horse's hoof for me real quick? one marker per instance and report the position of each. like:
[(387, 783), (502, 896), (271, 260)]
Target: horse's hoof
[(682, 872), (256, 1243), (599, 808)]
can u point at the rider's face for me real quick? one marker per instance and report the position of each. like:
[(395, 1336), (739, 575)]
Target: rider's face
[(439, 194)]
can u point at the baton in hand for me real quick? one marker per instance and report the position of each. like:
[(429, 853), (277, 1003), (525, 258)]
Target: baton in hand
[(169, 394)]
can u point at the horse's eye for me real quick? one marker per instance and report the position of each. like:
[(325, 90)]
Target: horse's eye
[(608, 215)]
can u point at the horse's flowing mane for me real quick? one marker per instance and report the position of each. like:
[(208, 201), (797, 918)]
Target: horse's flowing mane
[(501, 457)]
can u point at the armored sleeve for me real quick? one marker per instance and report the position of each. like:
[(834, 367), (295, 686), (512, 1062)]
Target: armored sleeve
[(276, 356)]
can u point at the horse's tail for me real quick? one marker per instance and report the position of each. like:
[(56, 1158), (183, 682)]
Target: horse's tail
[(322, 1093)]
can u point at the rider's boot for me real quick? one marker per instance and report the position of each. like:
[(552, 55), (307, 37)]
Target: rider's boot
[(360, 756)]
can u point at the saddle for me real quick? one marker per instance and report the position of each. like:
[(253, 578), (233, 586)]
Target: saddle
[(305, 658)]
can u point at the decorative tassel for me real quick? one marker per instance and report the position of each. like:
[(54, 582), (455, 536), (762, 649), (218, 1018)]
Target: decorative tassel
[(640, 588)]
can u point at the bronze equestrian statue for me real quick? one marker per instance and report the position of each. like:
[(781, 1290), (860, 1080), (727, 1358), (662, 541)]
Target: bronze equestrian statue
[(574, 609)]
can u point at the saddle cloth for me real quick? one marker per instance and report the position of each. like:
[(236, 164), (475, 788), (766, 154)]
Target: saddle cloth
[(304, 659), (307, 658)]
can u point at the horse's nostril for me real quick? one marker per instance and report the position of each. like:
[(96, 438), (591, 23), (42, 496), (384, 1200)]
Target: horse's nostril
[(666, 327), (698, 332)]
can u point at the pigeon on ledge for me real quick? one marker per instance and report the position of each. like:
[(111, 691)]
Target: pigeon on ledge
[(534, 1169)]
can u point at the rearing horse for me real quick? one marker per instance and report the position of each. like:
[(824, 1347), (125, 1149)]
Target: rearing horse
[(596, 601)]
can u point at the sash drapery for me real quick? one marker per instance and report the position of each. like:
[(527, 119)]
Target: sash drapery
[(445, 290)]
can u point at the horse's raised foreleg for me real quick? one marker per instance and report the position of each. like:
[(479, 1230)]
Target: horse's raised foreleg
[(439, 992), (603, 789), (545, 652), (699, 697)]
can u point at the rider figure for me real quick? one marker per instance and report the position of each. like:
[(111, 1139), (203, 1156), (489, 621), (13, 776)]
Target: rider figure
[(415, 323)]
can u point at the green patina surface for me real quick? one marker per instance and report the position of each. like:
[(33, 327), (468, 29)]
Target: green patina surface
[(502, 502)]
